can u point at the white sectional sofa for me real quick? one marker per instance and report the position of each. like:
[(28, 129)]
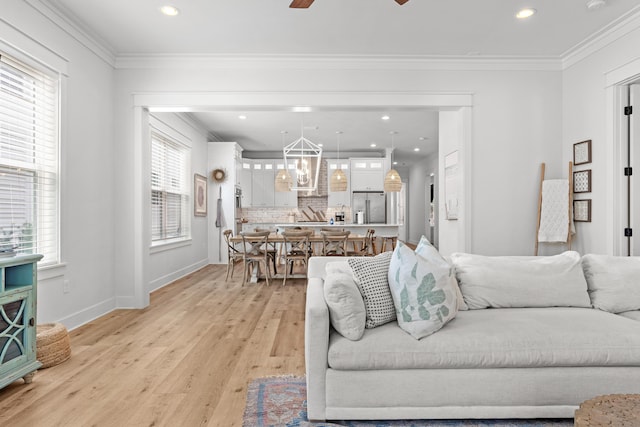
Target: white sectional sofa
[(536, 362)]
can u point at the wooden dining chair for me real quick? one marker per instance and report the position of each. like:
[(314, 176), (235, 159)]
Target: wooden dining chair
[(271, 249), (256, 250), (233, 254), (296, 248), (367, 248), (334, 243)]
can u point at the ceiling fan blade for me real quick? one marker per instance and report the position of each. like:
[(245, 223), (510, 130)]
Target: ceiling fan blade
[(302, 4), (401, 2)]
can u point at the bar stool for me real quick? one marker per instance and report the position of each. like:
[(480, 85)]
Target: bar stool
[(392, 240)]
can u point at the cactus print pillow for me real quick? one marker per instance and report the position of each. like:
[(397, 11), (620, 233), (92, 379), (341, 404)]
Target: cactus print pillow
[(423, 292)]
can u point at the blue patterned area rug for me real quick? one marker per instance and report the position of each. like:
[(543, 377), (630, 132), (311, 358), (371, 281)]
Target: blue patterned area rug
[(282, 402)]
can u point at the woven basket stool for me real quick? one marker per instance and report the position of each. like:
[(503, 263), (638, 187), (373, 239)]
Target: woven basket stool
[(615, 410), (52, 344)]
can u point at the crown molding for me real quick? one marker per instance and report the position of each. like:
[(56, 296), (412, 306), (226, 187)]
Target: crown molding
[(358, 62), (64, 19), (602, 38)]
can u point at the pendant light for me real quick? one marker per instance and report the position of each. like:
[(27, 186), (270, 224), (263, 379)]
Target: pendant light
[(283, 178), (392, 181), (306, 157), (338, 180)]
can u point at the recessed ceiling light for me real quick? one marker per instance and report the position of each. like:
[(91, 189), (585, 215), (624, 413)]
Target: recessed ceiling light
[(395, 163), (416, 149), (301, 109), (385, 117), (320, 145), (525, 13), (373, 144), (169, 10), (242, 117)]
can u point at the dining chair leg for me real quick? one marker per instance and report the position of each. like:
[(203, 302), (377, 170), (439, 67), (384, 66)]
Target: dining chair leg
[(244, 273), (233, 267), (284, 281), (229, 263), (267, 272)]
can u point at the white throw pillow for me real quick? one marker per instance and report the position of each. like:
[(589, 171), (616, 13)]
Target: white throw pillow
[(427, 251), (372, 273), (511, 281), (423, 292), (614, 282), (346, 306), (340, 267)]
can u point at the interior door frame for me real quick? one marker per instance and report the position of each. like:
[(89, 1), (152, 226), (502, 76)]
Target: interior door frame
[(617, 81), (144, 102)]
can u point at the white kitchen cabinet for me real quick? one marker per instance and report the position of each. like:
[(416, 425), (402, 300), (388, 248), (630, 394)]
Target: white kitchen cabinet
[(367, 174), (245, 181), (263, 183), (336, 199), (285, 199)]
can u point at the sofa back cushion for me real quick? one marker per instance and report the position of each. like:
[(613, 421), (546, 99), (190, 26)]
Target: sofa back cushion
[(510, 281), (423, 290), (614, 282)]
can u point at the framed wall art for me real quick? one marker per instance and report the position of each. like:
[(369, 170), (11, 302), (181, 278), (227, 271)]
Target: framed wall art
[(582, 210), (582, 181), (582, 152), (199, 195)]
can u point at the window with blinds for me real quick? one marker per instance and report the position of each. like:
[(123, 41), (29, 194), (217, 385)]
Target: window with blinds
[(169, 189), (29, 136)]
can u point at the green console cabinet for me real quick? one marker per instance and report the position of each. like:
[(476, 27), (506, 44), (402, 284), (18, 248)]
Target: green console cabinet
[(18, 289)]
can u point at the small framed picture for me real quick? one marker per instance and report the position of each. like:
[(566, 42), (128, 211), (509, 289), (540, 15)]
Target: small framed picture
[(199, 195), (582, 181), (582, 210), (582, 152)]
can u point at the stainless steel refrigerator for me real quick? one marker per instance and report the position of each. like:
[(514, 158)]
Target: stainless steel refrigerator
[(372, 204)]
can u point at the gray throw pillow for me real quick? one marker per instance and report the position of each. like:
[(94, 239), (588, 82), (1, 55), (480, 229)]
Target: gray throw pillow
[(372, 273)]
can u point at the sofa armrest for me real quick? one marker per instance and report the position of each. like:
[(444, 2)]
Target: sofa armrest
[(316, 348)]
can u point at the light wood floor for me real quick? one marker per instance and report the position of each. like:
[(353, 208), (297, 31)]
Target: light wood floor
[(185, 360)]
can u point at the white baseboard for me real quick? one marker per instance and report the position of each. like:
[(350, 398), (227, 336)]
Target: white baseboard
[(88, 314), (163, 281)]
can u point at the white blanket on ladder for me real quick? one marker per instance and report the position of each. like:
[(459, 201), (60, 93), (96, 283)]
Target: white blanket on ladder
[(555, 213)]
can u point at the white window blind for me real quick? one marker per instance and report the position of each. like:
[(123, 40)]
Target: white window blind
[(29, 101), (169, 189)]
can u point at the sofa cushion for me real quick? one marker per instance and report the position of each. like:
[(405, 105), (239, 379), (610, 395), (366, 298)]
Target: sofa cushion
[(423, 293), (511, 281), (498, 338), (346, 307), (633, 315), (614, 282), (426, 250), (371, 274)]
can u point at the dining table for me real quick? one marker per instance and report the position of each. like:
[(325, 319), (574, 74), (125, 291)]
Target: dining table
[(315, 240)]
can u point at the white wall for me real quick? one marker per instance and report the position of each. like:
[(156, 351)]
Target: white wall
[(87, 168), (166, 266), (221, 155), (516, 126), (585, 117)]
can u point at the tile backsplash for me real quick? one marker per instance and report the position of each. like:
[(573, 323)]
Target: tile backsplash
[(284, 215)]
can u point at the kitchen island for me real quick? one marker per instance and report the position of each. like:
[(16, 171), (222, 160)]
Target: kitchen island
[(380, 229)]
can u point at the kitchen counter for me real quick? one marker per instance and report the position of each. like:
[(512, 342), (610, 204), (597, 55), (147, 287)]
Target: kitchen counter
[(380, 229)]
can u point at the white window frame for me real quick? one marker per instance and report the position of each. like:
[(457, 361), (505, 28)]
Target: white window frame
[(31, 144), (160, 133)]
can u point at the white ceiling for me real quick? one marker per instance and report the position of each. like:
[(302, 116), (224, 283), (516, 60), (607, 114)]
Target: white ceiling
[(420, 28)]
